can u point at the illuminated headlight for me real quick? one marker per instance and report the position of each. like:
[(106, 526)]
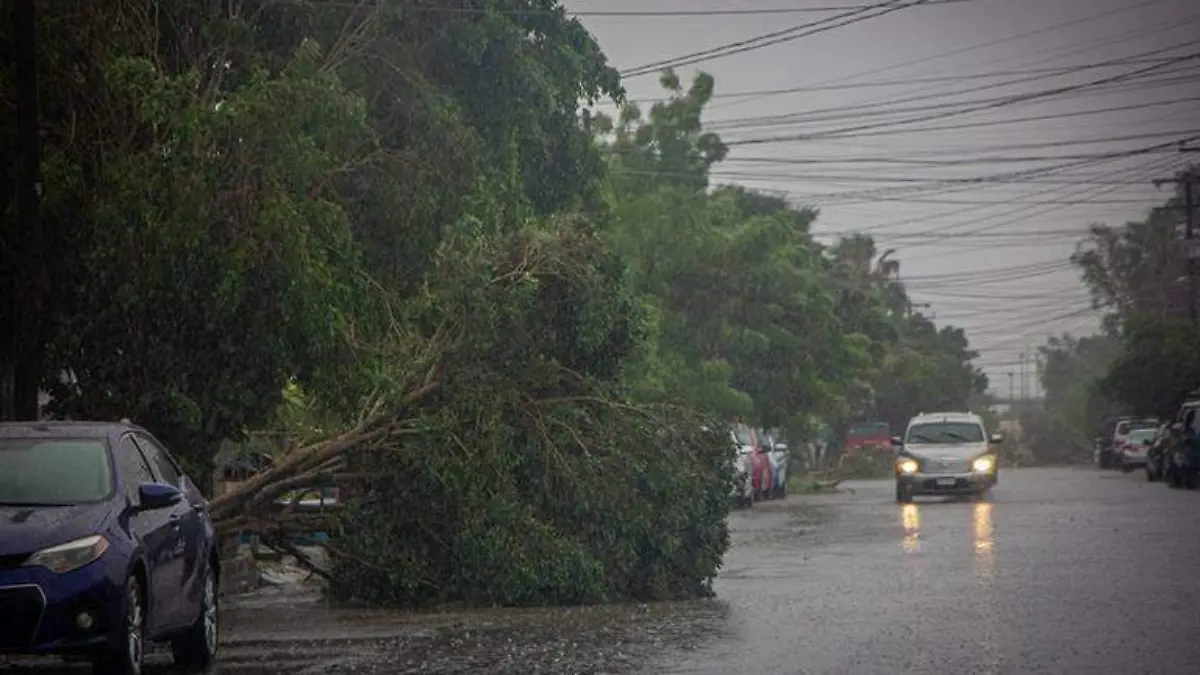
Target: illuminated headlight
[(984, 464), (908, 466), (71, 555)]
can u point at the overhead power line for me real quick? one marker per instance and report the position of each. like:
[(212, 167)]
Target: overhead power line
[(991, 43), (984, 123), (893, 105), (1177, 136), (901, 82), (1005, 101), (776, 37)]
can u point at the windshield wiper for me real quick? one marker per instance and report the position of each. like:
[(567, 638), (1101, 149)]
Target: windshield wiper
[(919, 437), (951, 434)]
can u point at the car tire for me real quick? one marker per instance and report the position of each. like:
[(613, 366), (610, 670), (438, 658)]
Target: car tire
[(196, 649), (1126, 467), (127, 657), (903, 493)]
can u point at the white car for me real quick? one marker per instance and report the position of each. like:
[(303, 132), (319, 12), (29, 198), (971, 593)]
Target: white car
[(779, 464), (743, 464), (945, 454), (1134, 447)]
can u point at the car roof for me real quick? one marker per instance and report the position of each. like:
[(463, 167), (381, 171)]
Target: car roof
[(59, 428), (945, 417)]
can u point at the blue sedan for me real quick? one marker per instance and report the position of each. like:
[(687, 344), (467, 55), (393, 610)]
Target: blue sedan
[(104, 545)]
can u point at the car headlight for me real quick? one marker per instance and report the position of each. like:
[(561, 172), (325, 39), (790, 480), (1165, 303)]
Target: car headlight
[(71, 555), (908, 466), (984, 464)]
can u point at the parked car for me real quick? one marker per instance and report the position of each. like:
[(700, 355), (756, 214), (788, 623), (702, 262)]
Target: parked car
[(1156, 454), (761, 477), (945, 454), (780, 462), (867, 436), (1181, 463), (1134, 447), (776, 451), (743, 465), (1108, 446), (104, 545)]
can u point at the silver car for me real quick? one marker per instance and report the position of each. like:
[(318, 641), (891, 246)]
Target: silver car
[(945, 454)]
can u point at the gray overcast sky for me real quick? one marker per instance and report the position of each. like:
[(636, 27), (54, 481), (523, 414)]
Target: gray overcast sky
[(990, 258)]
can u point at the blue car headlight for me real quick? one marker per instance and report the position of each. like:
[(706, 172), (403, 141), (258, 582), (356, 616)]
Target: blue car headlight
[(70, 556)]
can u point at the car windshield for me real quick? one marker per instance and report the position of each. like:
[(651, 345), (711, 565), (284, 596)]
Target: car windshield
[(59, 472), (1135, 425), (945, 432)]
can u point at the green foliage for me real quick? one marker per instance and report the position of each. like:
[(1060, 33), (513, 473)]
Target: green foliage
[(1158, 368), (531, 480)]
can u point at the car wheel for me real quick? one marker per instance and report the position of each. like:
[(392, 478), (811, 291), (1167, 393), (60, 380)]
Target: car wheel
[(197, 648), (903, 493), (1126, 467), (126, 657)]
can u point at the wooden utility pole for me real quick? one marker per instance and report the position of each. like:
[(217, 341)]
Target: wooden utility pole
[(26, 259), (1187, 181)]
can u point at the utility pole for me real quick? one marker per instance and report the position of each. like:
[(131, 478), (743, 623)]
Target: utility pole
[(1021, 366), (26, 262), (1011, 398), (1187, 180)]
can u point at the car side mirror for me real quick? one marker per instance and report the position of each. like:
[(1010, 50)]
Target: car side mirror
[(154, 496), (1177, 427), (996, 438), (897, 442)]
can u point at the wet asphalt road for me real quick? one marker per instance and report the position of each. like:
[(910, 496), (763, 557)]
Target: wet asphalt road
[(1060, 571)]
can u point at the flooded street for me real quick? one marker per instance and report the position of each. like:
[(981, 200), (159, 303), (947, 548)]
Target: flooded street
[(1060, 571)]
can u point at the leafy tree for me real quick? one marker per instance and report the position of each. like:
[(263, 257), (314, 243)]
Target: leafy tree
[(1158, 367)]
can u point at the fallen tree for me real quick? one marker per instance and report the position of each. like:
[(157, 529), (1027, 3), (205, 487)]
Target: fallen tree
[(505, 465)]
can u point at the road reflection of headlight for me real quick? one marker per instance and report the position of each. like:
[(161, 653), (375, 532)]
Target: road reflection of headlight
[(910, 519), (907, 466), (983, 465)]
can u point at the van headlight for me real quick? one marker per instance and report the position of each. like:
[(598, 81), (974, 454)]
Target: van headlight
[(70, 556), (908, 466), (985, 464)]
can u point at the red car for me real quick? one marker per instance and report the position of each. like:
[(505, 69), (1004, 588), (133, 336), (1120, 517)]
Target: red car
[(868, 436), (750, 441)]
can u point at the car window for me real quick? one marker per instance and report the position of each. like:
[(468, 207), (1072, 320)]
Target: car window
[(1141, 435), (945, 432), (164, 466), (1122, 428), (133, 466), (869, 429), (56, 472)]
